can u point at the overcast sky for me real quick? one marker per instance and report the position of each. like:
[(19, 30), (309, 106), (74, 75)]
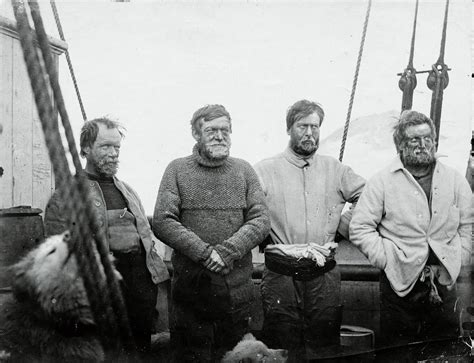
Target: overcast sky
[(150, 65)]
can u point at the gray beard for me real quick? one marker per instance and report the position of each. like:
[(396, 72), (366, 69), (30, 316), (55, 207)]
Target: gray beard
[(106, 168), (216, 153)]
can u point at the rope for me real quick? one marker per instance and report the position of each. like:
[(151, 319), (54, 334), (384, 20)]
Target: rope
[(354, 83), (443, 37), (412, 48), (77, 204), (68, 58), (438, 80), (115, 294), (407, 82)]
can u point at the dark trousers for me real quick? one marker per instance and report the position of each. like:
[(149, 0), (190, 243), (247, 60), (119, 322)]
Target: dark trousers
[(139, 293), (194, 339), (302, 316), (412, 318)]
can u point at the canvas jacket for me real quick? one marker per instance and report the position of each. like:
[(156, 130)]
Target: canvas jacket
[(56, 222)]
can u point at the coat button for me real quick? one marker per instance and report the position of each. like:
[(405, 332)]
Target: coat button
[(97, 204), (91, 184)]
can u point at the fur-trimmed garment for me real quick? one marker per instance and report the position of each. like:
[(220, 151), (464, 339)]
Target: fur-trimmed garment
[(48, 317)]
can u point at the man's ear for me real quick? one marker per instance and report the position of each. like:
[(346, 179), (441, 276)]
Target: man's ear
[(196, 134), (85, 151)]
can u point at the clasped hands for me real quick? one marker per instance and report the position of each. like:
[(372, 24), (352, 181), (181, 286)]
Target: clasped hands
[(216, 264)]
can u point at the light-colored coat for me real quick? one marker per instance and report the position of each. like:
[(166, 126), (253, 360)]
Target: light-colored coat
[(306, 196), (393, 226)]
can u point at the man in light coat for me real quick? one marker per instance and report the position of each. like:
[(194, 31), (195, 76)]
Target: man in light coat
[(413, 221)]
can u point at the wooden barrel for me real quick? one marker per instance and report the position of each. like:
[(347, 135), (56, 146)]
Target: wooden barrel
[(21, 229)]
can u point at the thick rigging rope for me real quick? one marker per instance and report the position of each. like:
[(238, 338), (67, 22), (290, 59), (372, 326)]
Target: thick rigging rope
[(354, 83), (77, 203), (68, 58), (438, 79), (407, 82)]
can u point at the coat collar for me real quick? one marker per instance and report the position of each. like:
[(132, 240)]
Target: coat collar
[(297, 160)]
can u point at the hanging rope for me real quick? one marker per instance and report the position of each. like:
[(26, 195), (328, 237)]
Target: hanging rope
[(68, 58), (407, 82), (354, 83), (438, 79), (77, 204)]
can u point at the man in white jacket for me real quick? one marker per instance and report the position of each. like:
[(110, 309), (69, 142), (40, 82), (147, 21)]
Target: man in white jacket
[(413, 221)]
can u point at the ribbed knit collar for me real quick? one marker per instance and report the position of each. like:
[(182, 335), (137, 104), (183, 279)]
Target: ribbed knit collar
[(205, 161)]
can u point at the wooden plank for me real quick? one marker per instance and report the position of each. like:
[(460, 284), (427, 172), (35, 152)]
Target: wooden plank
[(6, 81), (42, 175), (22, 131)]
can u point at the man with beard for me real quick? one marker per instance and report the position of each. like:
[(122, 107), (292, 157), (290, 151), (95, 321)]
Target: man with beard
[(306, 193), (120, 213), (413, 221), (210, 209)]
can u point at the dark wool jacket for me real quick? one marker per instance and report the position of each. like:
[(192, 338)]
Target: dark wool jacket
[(55, 222), (204, 205)]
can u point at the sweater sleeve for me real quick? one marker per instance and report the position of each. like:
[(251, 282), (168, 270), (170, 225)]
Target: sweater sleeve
[(256, 226), (166, 220), (365, 220)]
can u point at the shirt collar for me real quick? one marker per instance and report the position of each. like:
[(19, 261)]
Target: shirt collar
[(298, 160)]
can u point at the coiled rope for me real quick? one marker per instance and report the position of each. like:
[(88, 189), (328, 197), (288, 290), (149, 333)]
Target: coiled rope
[(354, 82), (105, 298)]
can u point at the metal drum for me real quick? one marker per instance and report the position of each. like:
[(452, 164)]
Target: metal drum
[(21, 229), (356, 336)]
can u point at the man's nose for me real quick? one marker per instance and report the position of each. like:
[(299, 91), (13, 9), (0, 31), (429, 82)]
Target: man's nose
[(308, 130), (218, 135), (113, 152)]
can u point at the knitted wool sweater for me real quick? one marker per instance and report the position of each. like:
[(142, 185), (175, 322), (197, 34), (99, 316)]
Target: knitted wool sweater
[(204, 205)]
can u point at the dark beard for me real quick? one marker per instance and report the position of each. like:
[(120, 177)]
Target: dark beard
[(422, 159), (304, 150)]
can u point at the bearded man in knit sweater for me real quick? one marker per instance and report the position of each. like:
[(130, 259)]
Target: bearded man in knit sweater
[(210, 209)]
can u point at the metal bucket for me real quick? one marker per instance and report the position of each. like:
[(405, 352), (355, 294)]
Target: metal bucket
[(356, 336)]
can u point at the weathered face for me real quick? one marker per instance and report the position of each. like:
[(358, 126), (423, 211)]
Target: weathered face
[(304, 135), (102, 157), (213, 138), (418, 147)]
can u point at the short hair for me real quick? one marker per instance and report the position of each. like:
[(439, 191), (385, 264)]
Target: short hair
[(410, 118), (302, 109), (90, 129), (208, 113)]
